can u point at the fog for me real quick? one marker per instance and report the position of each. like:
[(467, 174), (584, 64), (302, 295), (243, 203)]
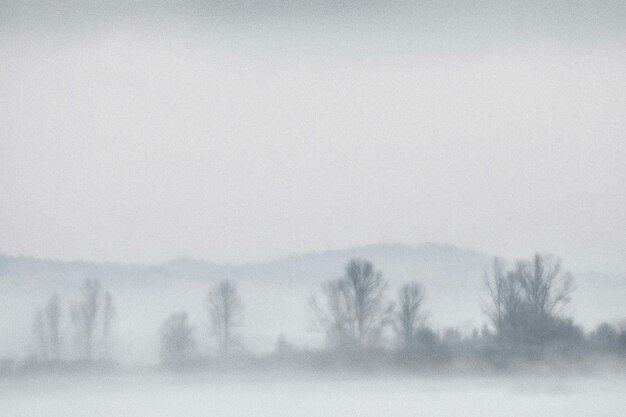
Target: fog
[(256, 130), (312, 208), (233, 396), (275, 296)]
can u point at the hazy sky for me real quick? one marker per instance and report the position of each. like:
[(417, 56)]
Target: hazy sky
[(242, 131)]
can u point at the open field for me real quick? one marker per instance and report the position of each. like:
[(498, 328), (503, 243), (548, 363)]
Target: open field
[(242, 396)]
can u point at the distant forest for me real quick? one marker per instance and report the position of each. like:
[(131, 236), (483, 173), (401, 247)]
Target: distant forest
[(364, 326)]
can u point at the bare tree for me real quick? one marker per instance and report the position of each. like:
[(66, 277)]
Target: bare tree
[(39, 328), (84, 316), (544, 287), (335, 316), (409, 317), (53, 321), (355, 312), (177, 341), (46, 327), (225, 311), (108, 314), (367, 288), (496, 286), (78, 335), (526, 305)]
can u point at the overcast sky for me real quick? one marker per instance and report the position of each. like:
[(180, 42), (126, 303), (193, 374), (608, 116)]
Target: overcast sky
[(246, 131)]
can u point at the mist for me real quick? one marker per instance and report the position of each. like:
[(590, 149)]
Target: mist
[(312, 207), (197, 130)]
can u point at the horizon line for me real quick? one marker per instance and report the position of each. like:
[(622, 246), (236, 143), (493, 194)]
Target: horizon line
[(279, 258)]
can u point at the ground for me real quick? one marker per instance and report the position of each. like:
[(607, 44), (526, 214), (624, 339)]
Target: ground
[(338, 395)]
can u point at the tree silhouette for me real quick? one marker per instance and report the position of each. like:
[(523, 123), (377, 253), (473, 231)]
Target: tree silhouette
[(355, 311), (177, 341), (409, 317), (225, 311)]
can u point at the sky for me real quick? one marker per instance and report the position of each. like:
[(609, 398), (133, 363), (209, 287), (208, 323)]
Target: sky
[(245, 131)]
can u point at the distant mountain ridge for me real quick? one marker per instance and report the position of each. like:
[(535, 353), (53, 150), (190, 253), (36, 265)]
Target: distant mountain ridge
[(396, 261)]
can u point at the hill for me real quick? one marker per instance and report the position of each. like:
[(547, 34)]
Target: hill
[(426, 262)]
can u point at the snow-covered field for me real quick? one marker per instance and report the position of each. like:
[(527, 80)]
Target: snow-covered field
[(243, 396)]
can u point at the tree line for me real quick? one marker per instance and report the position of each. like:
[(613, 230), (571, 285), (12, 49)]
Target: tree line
[(87, 339), (526, 306)]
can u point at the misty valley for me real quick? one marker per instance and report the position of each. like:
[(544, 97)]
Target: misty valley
[(361, 320), (315, 208), (366, 349)]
